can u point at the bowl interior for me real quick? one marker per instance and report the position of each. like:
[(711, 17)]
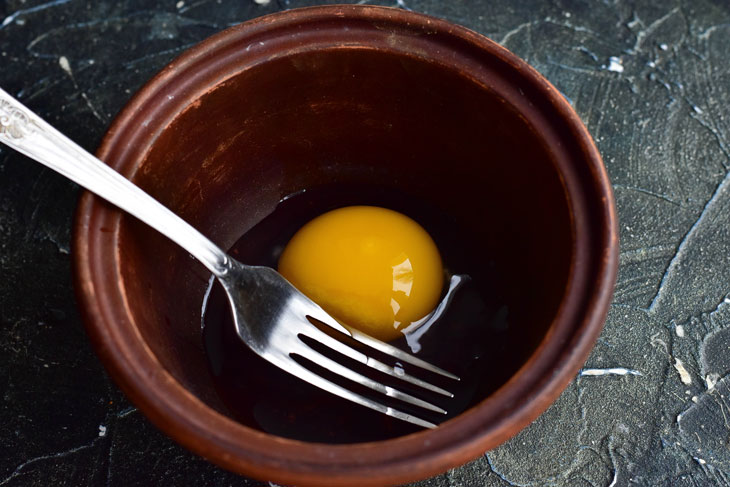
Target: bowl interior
[(354, 117)]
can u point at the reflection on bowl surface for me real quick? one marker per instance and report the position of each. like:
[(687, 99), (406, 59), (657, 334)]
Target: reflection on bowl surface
[(268, 125)]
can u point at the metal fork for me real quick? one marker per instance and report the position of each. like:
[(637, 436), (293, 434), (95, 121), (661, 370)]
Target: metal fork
[(270, 315)]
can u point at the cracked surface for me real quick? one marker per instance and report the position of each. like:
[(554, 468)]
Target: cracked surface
[(651, 80)]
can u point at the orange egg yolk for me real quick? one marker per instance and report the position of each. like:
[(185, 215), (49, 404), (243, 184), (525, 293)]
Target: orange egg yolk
[(371, 268)]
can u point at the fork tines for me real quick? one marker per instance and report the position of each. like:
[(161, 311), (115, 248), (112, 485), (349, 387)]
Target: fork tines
[(317, 340)]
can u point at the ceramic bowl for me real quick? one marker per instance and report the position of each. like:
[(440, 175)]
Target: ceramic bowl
[(349, 95)]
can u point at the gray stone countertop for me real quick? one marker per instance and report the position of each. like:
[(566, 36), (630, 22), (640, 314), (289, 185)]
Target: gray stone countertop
[(651, 80)]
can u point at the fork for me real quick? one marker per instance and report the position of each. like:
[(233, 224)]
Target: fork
[(270, 315)]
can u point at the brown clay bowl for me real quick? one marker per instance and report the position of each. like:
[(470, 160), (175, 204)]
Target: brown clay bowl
[(343, 95)]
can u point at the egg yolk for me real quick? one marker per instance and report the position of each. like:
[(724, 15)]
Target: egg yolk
[(371, 268)]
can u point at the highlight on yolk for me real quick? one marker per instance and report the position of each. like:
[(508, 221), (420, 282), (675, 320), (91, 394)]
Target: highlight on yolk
[(374, 269)]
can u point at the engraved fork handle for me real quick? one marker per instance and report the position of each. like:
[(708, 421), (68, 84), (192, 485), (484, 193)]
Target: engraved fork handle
[(29, 134)]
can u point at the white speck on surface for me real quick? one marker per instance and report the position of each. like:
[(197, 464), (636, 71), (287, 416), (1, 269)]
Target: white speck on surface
[(180, 4), (635, 22), (679, 330), (697, 109), (614, 65), (700, 461), (711, 380), (65, 65), (262, 2), (102, 430), (683, 374), (663, 47), (651, 64), (611, 371), (695, 399)]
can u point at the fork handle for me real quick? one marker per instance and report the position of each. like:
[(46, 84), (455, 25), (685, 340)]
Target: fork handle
[(29, 134)]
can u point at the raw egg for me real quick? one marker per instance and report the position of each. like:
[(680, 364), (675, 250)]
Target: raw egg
[(374, 269)]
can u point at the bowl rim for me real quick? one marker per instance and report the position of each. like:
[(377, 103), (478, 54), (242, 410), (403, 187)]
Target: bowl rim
[(185, 418)]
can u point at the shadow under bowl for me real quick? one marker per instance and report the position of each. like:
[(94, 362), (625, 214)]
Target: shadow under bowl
[(349, 96)]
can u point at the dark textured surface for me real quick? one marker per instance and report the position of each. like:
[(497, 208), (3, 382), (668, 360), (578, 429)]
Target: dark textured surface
[(651, 81)]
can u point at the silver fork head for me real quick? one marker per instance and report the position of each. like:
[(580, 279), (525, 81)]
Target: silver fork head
[(273, 319)]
